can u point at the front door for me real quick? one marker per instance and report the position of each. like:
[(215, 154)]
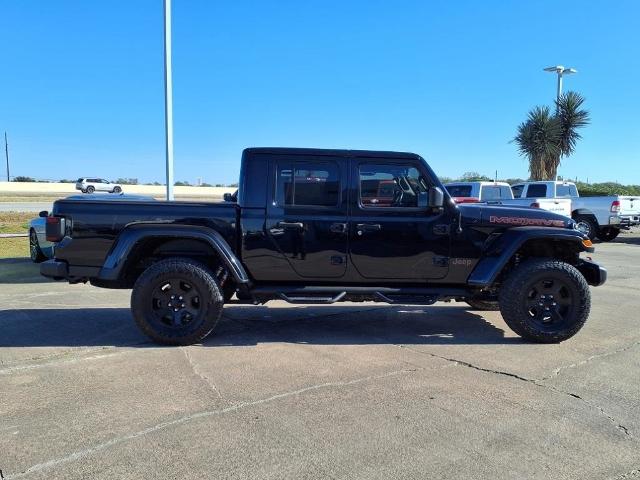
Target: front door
[(391, 236), (307, 214)]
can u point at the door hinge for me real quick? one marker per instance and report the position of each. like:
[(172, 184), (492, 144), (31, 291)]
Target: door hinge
[(441, 261), (441, 229)]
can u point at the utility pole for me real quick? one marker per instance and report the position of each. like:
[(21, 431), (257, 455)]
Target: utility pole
[(168, 98), (6, 153)]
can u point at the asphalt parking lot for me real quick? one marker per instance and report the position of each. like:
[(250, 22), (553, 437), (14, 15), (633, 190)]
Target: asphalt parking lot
[(360, 391)]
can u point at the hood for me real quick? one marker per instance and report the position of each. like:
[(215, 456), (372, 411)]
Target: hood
[(504, 216)]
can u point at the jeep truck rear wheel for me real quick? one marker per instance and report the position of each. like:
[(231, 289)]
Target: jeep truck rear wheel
[(545, 300), (176, 301)]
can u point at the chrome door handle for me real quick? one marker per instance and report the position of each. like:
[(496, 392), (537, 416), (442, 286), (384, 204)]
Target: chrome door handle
[(369, 227), (361, 228), (291, 225)]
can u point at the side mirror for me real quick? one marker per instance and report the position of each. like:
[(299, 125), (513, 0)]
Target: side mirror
[(227, 197), (43, 214), (436, 197)]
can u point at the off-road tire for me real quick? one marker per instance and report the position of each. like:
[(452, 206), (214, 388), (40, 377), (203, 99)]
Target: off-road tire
[(515, 298), (35, 252), (196, 275), (591, 223), (485, 305), (607, 234), (90, 189)]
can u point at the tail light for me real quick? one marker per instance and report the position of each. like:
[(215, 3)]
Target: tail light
[(615, 206), (535, 205), (55, 229)]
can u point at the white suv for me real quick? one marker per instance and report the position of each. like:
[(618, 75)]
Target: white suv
[(90, 185)]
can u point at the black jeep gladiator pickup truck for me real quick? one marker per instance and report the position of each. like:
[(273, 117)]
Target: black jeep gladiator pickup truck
[(323, 226)]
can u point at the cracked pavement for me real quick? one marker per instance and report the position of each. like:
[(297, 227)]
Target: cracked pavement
[(359, 391)]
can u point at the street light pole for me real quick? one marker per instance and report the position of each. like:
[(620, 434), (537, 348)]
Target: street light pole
[(560, 70), (6, 153), (168, 99)]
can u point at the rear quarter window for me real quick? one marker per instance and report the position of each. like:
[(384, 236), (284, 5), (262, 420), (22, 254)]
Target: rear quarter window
[(537, 190)]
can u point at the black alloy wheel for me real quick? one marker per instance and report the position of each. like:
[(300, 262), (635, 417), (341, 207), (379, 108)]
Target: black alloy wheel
[(177, 301), (545, 300)]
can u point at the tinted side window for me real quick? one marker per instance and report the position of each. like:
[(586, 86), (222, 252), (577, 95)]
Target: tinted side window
[(537, 190), (517, 190), (390, 185), (308, 184), (459, 190)]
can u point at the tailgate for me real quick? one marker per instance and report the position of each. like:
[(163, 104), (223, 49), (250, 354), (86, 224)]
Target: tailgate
[(560, 206), (629, 205)]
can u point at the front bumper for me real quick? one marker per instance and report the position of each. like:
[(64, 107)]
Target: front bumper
[(594, 274), (54, 269)]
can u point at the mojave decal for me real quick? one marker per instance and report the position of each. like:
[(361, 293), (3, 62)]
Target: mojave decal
[(521, 221)]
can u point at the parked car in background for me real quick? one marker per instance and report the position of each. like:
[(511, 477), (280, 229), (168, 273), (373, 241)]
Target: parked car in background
[(602, 217), (471, 192), (94, 184), (501, 193), (41, 249)]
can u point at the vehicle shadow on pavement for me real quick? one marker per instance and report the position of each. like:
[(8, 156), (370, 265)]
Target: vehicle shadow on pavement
[(252, 325), (20, 270), (628, 239)]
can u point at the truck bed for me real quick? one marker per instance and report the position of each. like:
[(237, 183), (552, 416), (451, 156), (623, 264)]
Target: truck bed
[(95, 224)]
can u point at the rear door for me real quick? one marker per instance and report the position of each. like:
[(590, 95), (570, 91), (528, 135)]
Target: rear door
[(307, 214), (391, 238)]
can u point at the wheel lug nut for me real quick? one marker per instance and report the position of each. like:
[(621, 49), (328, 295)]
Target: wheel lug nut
[(169, 304)]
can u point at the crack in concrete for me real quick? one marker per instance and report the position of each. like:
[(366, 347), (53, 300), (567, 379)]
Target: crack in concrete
[(619, 426), (210, 383), (78, 454), (557, 371)]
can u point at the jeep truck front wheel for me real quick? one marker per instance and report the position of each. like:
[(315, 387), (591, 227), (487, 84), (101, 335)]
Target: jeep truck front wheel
[(176, 301), (545, 300)]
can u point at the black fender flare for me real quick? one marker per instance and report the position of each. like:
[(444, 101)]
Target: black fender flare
[(127, 240), (498, 253)]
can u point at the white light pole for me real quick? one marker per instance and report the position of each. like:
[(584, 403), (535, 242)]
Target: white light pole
[(560, 70), (168, 98)]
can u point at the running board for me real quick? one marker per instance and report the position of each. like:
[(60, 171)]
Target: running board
[(325, 295), (311, 299), (407, 299)]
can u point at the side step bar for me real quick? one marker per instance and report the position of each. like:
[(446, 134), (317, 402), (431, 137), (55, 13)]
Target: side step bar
[(326, 295), (312, 299)]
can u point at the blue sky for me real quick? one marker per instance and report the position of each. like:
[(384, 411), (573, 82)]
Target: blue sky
[(81, 88)]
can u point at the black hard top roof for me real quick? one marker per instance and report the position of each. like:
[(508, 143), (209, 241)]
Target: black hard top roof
[(331, 152)]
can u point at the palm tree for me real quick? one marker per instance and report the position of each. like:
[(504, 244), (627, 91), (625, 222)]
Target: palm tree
[(572, 117), (538, 139), (544, 138)]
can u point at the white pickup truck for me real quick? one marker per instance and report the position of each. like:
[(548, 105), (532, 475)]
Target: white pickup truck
[(601, 217), (501, 193)]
